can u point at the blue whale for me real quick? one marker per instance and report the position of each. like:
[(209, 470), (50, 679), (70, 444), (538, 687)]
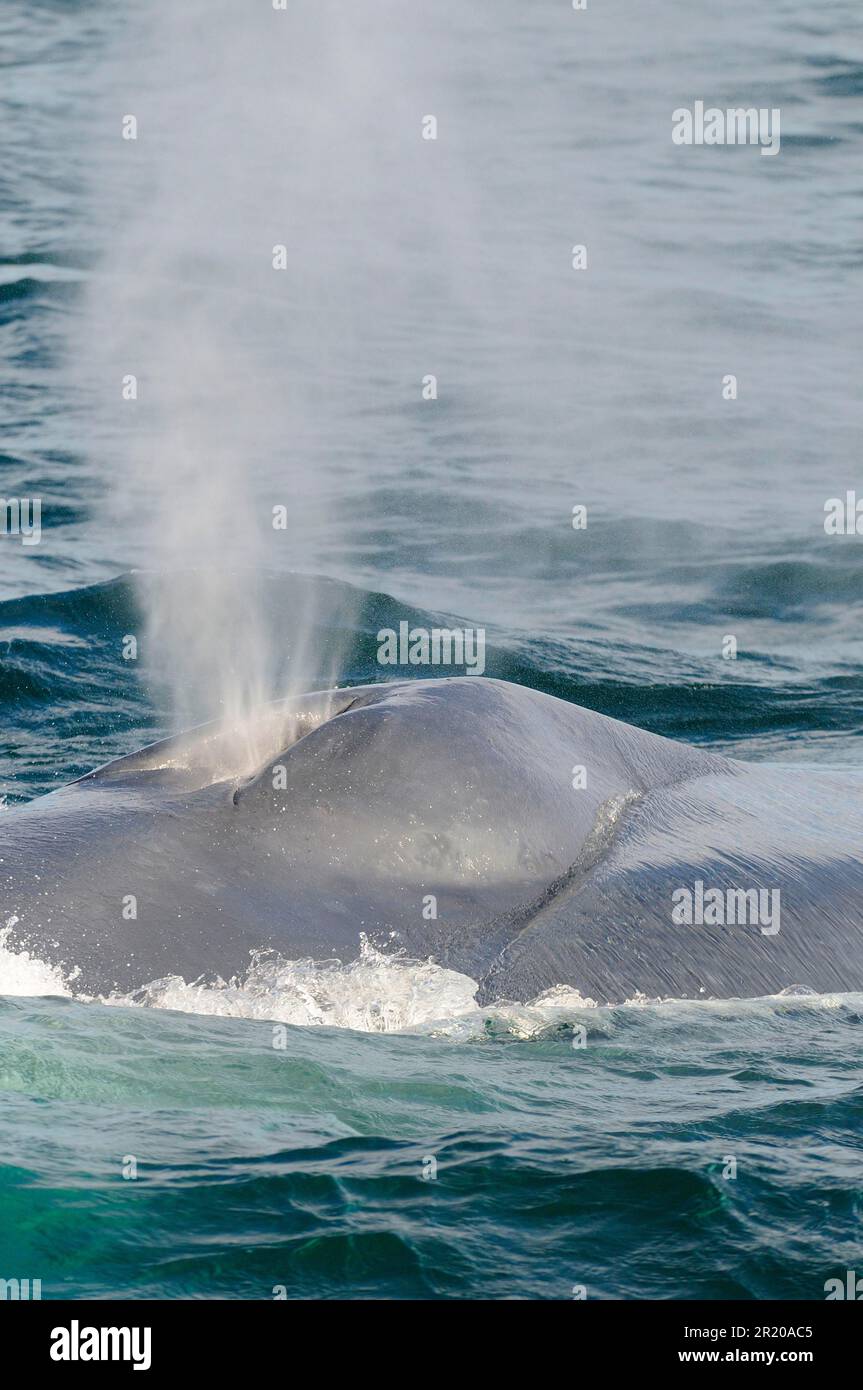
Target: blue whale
[(514, 837)]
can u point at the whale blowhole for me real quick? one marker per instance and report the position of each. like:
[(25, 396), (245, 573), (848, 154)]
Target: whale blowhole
[(230, 750)]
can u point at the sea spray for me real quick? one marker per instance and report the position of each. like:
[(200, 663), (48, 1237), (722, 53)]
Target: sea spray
[(268, 200)]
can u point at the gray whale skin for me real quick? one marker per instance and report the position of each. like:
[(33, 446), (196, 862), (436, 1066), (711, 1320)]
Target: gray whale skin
[(440, 818)]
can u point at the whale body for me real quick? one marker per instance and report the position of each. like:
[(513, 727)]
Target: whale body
[(514, 837)]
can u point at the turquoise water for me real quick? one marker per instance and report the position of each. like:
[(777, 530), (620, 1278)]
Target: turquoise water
[(600, 1165), (557, 1166)]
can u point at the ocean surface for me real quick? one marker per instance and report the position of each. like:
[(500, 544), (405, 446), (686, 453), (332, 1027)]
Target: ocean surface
[(394, 1140)]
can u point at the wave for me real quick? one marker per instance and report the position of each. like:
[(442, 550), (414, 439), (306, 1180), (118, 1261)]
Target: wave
[(60, 674), (380, 992)]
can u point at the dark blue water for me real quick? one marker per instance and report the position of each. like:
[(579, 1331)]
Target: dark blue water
[(556, 1165)]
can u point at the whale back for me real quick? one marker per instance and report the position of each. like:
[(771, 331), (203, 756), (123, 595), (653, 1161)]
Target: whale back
[(464, 780), (515, 837), (624, 932)]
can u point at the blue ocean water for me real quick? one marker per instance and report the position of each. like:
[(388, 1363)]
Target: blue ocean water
[(398, 1141)]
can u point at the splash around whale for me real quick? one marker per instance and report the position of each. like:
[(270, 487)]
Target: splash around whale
[(518, 839)]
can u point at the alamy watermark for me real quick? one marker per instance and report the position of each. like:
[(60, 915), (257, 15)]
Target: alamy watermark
[(20, 1290), (843, 516), (738, 907), (21, 517), (77, 1343), (437, 646), (848, 1288), (738, 125)]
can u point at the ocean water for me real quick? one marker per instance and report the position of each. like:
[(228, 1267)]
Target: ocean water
[(394, 1140)]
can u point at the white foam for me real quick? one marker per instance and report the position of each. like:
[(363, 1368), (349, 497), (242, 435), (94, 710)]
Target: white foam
[(379, 992), (376, 993), (24, 974), (390, 993)]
